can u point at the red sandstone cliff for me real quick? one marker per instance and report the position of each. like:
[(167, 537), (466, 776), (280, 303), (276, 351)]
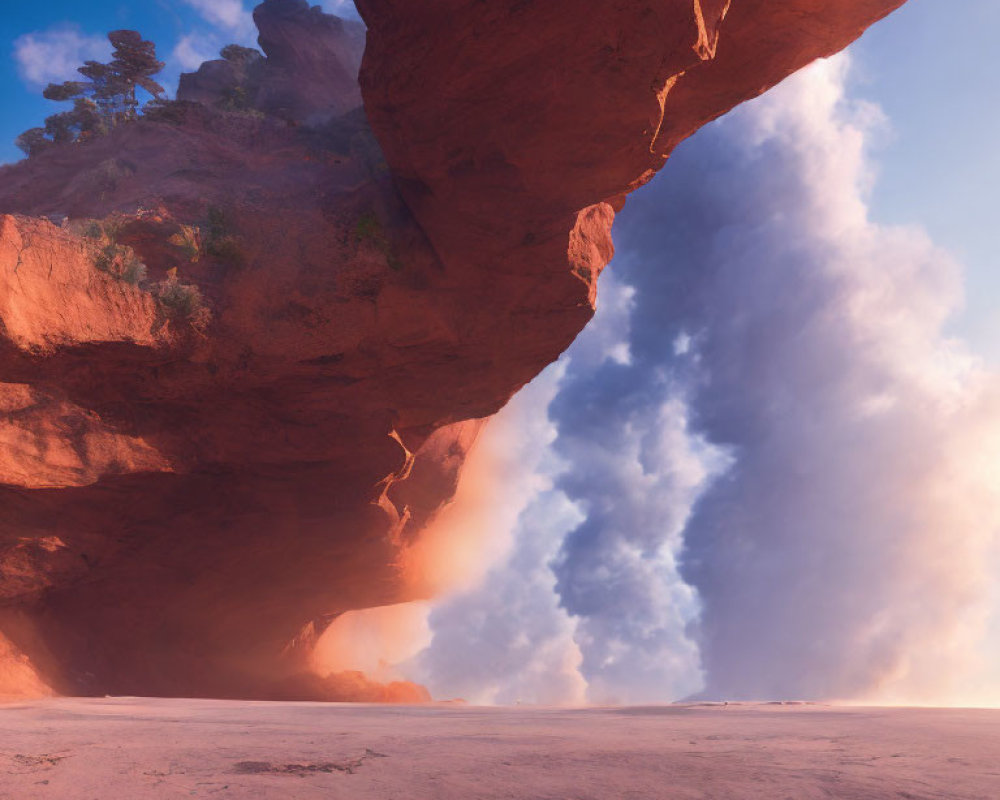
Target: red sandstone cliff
[(201, 466)]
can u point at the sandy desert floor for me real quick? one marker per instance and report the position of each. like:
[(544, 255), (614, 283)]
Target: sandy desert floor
[(140, 748)]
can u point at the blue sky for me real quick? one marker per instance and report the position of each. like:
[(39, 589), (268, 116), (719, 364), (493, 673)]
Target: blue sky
[(934, 72)]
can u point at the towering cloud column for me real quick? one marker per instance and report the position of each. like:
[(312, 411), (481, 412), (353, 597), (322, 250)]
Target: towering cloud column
[(845, 551), (774, 472)]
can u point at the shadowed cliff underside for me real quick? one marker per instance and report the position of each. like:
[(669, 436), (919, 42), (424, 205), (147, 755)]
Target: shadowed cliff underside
[(203, 466)]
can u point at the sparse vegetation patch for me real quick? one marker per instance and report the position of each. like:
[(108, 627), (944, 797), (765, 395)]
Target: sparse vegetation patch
[(186, 241), (122, 263), (220, 242), (369, 231), (182, 303), (118, 260)]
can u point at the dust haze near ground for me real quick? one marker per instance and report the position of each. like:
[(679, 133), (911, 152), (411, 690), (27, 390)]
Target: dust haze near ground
[(141, 748)]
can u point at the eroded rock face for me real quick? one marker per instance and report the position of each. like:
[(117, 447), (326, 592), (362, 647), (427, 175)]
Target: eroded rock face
[(202, 465), (528, 114)]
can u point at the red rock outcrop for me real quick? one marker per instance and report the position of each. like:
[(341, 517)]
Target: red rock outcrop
[(202, 465), (309, 73), (511, 135)]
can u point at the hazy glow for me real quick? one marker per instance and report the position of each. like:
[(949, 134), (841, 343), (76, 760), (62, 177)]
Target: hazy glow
[(475, 530), (458, 546), (373, 640), (18, 678), (765, 471)]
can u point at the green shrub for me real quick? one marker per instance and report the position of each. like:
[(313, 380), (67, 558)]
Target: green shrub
[(218, 225), (105, 258), (221, 244), (182, 303), (186, 240), (93, 230), (102, 229), (234, 100), (227, 251), (134, 271), (368, 230), (120, 262)]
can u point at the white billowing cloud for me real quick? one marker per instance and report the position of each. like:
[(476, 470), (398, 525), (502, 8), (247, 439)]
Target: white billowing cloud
[(508, 641), (635, 469), (548, 628), (231, 16), (847, 550), (499, 635), (193, 49), (52, 56), (229, 22), (770, 472), (342, 8), (618, 570)]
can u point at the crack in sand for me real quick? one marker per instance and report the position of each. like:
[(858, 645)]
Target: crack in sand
[(301, 770)]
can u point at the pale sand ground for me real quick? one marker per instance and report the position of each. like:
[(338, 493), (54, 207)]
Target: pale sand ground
[(138, 748)]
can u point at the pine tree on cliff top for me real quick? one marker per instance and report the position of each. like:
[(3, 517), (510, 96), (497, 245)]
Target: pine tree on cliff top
[(106, 98), (134, 65)]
